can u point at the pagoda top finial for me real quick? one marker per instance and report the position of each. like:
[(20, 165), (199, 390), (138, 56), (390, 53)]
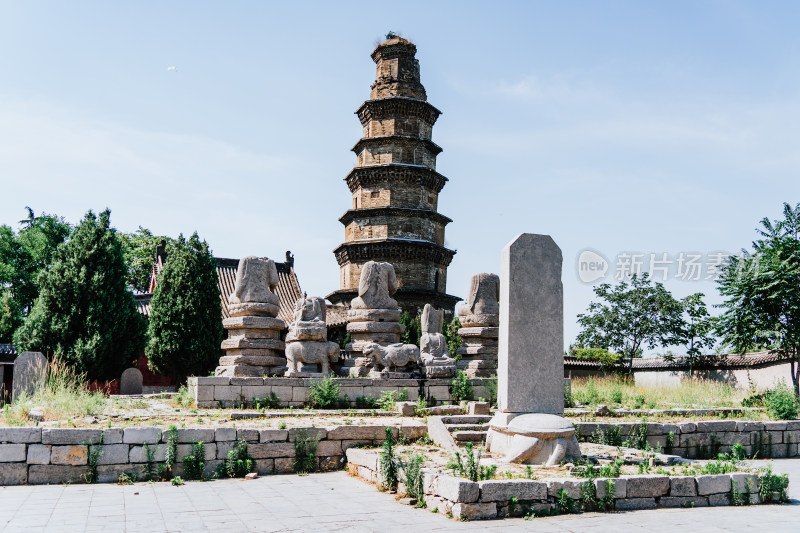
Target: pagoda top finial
[(398, 69)]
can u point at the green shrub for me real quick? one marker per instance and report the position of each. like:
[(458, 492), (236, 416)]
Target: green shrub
[(238, 463), (171, 455), (604, 357), (305, 451), (460, 388), (471, 468), (454, 340), (389, 398), (781, 403), (325, 394), (772, 487), (366, 402), (412, 477), (388, 463), (413, 328), (193, 463)]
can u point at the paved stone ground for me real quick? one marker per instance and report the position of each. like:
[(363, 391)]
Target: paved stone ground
[(328, 502)]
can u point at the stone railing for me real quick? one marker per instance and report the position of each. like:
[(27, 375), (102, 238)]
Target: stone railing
[(212, 392), (35, 455), (706, 438), (464, 499)]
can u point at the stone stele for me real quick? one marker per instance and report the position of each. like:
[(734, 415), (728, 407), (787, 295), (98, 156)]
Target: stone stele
[(528, 427), (30, 373), (131, 381)]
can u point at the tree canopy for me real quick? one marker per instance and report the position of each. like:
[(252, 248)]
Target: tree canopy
[(84, 313), (185, 330), (762, 292), (139, 248)]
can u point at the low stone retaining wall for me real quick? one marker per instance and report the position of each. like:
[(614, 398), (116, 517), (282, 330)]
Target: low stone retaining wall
[(35, 455), (706, 438), (466, 499), (212, 392)]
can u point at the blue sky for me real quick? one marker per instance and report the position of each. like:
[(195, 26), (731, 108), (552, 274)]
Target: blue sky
[(617, 126)]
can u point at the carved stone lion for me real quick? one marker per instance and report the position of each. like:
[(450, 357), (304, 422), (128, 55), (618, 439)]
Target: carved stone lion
[(312, 353), (391, 356)]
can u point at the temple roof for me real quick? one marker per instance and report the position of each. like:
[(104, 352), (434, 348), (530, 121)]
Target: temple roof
[(288, 289)]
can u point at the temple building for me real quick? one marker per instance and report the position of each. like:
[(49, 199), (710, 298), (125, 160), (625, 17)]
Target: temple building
[(395, 188)]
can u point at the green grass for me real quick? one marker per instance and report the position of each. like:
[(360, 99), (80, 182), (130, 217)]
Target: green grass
[(622, 392), (65, 395)]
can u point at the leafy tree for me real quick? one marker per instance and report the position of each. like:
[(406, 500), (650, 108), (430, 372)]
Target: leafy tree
[(10, 316), (84, 314), (140, 252), (762, 305), (413, 325), (185, 330), (454, 340), (607, 360), (697, 333), (642, 314), (25, 254)]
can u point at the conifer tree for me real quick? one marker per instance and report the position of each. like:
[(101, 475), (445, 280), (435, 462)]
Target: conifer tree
[(185, 330), (84, 314)]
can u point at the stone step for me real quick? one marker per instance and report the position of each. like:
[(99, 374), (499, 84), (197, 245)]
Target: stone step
[(467, 427), (466, 419), (469, 436)]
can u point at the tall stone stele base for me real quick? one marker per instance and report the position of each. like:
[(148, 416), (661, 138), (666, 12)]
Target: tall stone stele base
[(254, 347), (528, 427), (374, 319), (479, 327)]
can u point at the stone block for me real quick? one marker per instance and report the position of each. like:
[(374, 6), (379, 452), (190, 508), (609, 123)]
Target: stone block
[(327, 448), (367, 459), (141, 435), (73, 455), (299, 394), (406, 408), (252, 393), (71, 436), (248, 381), (713, 484), (620, 487), (359, 432), (131, 381), (283, 393), (209, 451), (647, 486), (112, 436), (284, 465), (138, 454), (315, 433), (212, 380), (745, 483), (271, 450), (111, 473), (457, 489), (747, 425), (227, 392), (29, 373), (38, 454), (224, 447), (715, 500), (478, 408), (55, 474), (224, 434), (682, 486), (247, 434), (113, 454), (273, 435), (21, 435), (13, 474), (716, 426), (265, 466), (775, 426), (687, 427), (190, 435), (12, 453), (571, 486), (204, 393), (474, 511), (498, 491), (347, 444), (413, 432), (635, 504), (683, 501), (734, 437)]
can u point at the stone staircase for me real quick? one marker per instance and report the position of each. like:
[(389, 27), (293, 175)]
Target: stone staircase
[(456, 430)]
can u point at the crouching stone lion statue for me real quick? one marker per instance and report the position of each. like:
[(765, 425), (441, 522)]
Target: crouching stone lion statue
[(311, 353), (391, 356)]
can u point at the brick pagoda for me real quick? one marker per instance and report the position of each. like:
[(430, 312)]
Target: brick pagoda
[(395, 188)]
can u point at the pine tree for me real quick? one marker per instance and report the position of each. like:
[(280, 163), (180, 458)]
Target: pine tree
[(84, 314), (185, 330), (10, 316)]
